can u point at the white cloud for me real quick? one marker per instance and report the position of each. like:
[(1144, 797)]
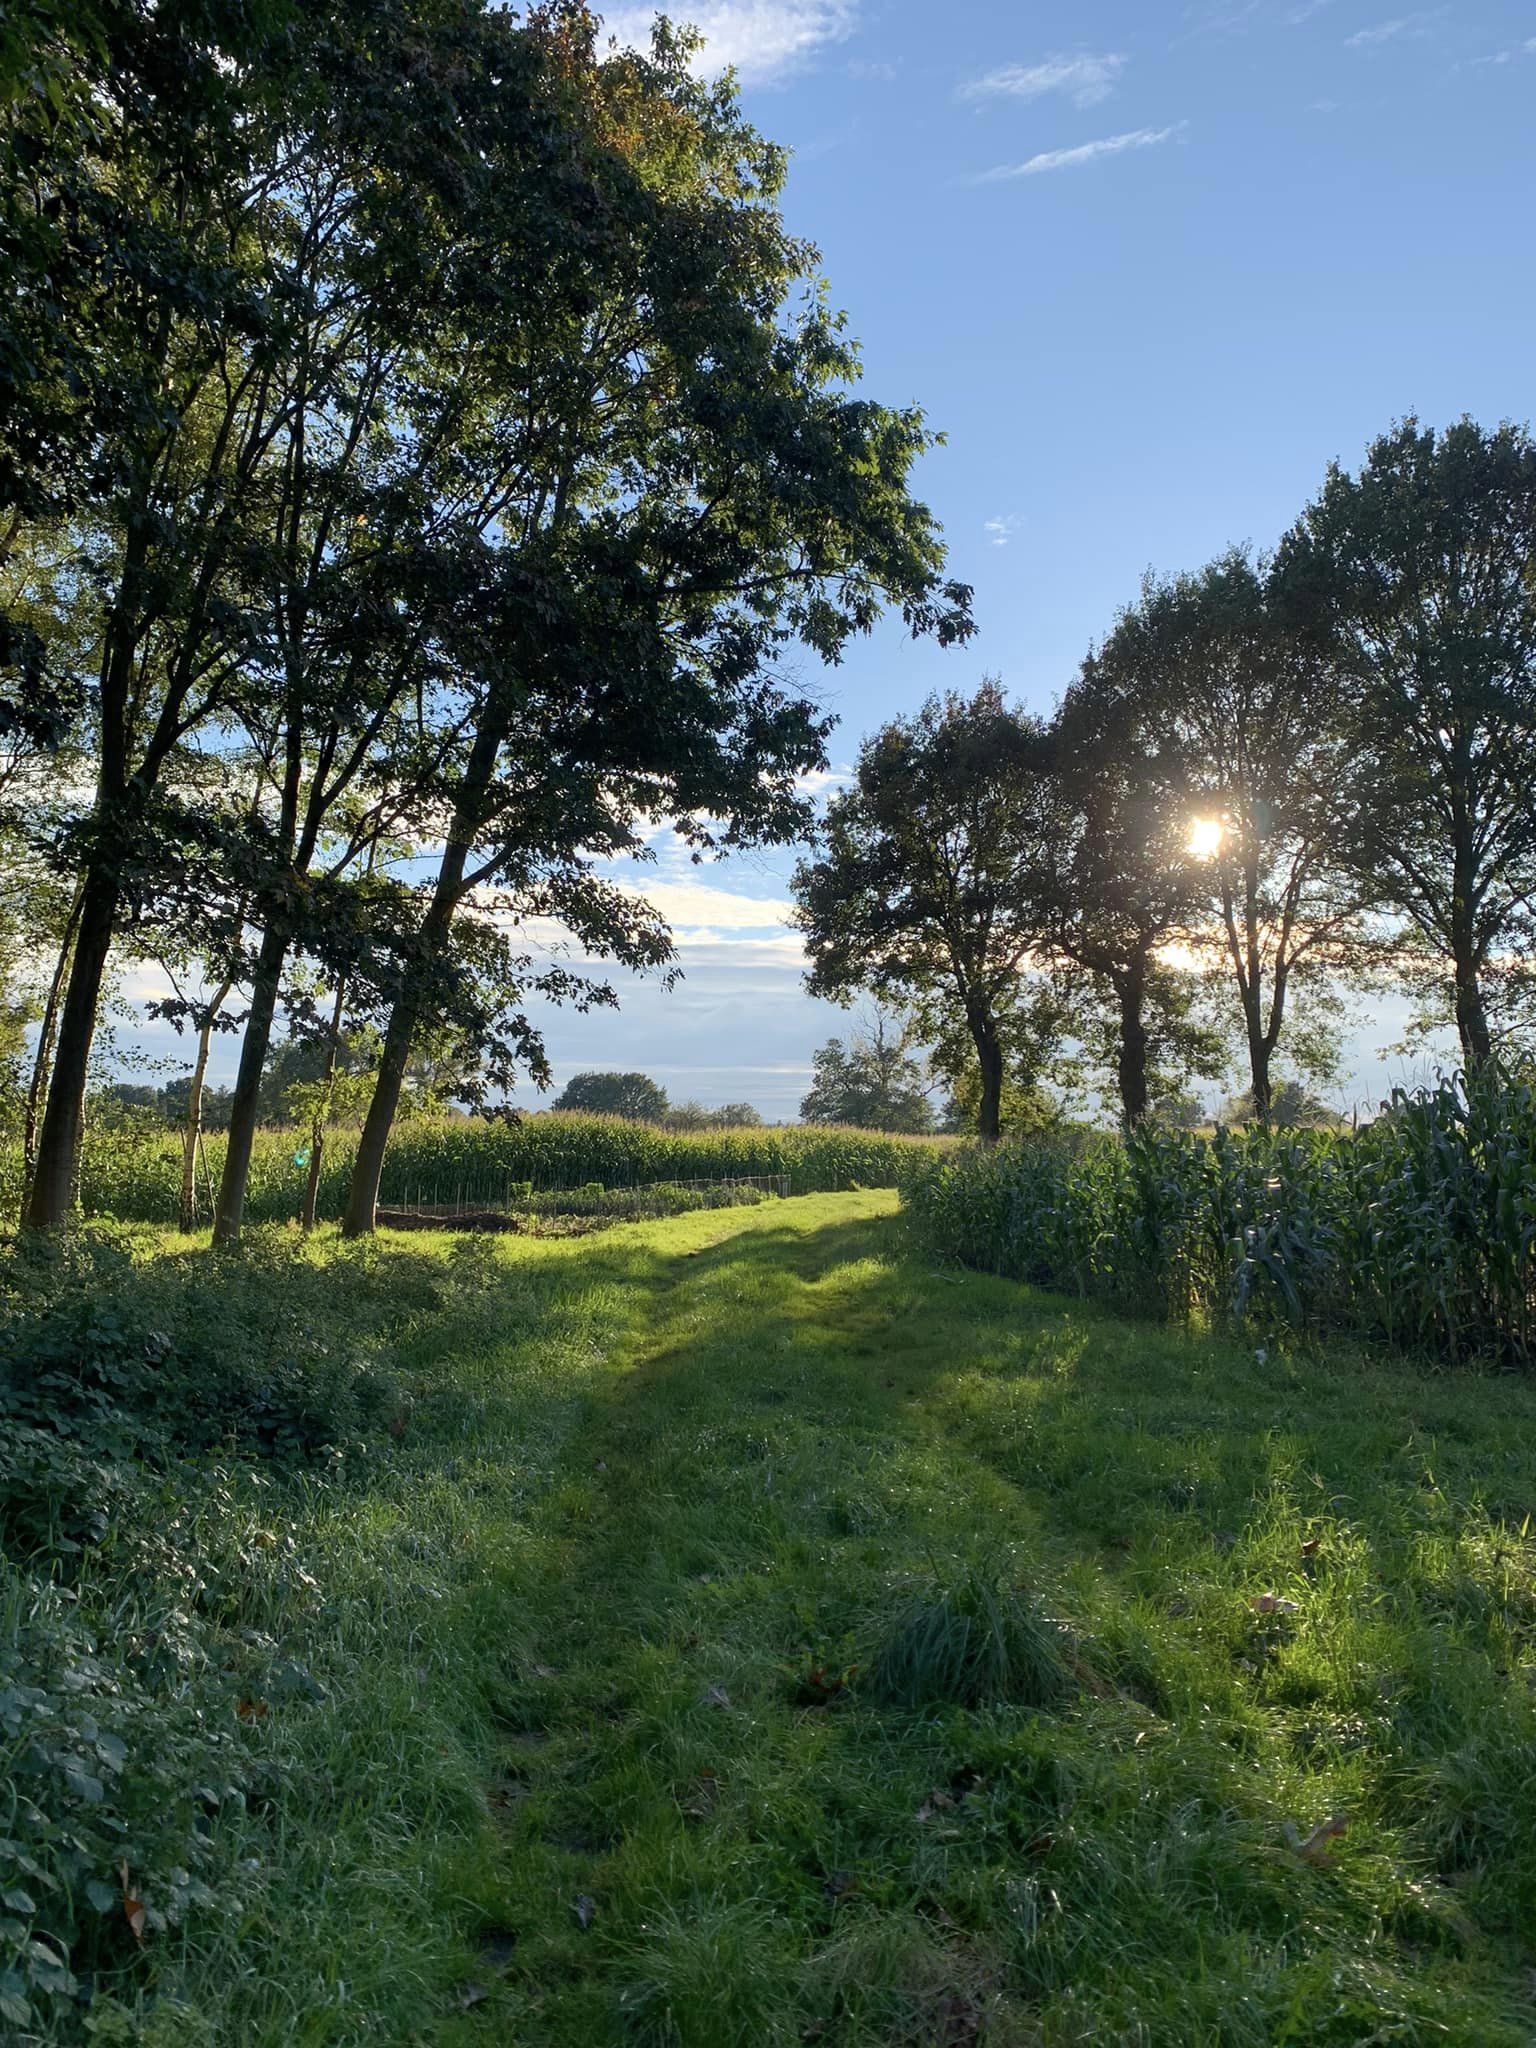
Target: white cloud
[(1084, 79), (1405, 25), (1526, 49), (1001, 530), (761, 39), (1084, 153)]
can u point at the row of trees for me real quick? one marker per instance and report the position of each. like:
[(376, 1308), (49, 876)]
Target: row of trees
[(1274, 778), (420, 439)]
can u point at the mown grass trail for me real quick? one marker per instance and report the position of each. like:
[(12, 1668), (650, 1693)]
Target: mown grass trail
[(758, 1637)]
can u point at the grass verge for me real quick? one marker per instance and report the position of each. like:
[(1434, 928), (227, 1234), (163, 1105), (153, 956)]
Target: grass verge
[(738, 1632)]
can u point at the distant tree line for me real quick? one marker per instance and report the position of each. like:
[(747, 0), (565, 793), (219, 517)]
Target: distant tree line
[(642, 1100), (420, 442), (1275, 778)]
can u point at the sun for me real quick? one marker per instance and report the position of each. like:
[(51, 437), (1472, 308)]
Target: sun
[(1205, 837)]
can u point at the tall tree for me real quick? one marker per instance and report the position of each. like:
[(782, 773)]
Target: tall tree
[(1250, 710), (926, 888), (697, 490), (186, 143), (1417, 579), (1121, 894)]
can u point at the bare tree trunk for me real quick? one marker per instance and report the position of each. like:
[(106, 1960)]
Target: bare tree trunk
[(432, 943), (243, 1107), (1472, 1014), (989, 1057), (42, 1063), (1134, 1100), (192, 1136), (368, 1167), (317, 1129), (52, 1191)]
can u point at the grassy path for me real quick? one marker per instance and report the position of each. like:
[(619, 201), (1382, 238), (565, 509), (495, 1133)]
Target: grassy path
[(759, 1637)]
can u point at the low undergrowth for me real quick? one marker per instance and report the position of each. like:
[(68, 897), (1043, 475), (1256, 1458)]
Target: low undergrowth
[(732, 1631)]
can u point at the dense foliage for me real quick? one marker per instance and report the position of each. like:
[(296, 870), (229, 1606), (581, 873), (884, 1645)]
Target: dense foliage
[(1418, 1229)]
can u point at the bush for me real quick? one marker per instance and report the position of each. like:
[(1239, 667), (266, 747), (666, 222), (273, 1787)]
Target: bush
[(1417, 1229)]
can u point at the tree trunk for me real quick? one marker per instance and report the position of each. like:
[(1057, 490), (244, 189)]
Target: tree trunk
[(243, 1106), (368, 1167), (1134, 1104), (42, 1063), (52, 1191), (1471, 1013), (989, 1058), (1259, 1076), (436, 929), (317, 1129), (187, 1219)]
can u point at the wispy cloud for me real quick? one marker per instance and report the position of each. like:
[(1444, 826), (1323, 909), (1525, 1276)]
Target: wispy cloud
[(1404, 26), (1085, 80), (1084, 153), (1001, 530), (761, 39), (1513, 56)]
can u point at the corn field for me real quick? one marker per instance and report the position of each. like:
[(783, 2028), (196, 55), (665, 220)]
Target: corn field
[(133, 1173), (1416, 1229)]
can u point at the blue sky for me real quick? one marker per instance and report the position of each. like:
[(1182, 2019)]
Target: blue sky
[(1149, 266)]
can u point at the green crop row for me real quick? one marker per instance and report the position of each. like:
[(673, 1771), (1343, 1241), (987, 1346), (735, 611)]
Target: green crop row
[(133, 1172), (1417, 1229)]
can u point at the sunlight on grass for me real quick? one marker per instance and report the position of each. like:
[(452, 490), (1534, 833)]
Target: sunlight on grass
[(754, 1636)]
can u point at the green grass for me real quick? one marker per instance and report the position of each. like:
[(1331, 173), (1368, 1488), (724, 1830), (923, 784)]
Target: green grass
[(753, 1636)]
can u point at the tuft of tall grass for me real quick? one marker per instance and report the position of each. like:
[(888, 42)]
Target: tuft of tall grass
[(970, 1640), (1418, 1229)]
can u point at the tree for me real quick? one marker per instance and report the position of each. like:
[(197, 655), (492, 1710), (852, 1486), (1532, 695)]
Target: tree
[(183, 151), (926, 887), (1416, 579), (1291, 1108), (1250, 710), (696, 490), (1121, 895), (635, 1096), (872, 1081), (737, 1116)]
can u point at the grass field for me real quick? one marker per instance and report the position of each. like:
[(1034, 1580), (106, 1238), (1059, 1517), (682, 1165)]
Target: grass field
[(750, 1634)]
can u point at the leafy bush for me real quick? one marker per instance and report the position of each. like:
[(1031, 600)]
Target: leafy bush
[(1417, 1229)]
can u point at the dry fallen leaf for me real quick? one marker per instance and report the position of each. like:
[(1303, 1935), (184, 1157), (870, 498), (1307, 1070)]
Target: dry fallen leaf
[(133, 1906), (717, 1696), (252, 1710), (1313, 1848), (1271, 1603), (1310, 1547), (468, 1996), (585, 1909)]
